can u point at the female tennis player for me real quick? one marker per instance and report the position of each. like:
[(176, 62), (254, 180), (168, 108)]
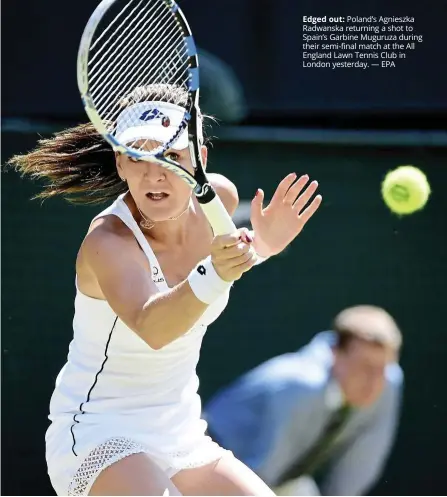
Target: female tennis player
[(150, 277)]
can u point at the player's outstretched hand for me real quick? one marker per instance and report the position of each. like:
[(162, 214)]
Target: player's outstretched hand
[(284, 218), (232, 255)]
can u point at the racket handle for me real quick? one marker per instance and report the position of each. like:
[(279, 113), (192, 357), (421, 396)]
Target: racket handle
[(218, 217)]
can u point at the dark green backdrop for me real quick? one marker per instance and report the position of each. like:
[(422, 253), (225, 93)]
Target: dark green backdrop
[(354, 251)]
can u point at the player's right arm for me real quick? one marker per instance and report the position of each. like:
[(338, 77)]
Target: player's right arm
[(121, 270)]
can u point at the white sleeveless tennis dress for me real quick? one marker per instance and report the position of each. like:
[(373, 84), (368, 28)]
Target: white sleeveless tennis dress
[(117, 396)]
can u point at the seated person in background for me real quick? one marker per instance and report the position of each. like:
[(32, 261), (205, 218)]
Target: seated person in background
[(320, 421)]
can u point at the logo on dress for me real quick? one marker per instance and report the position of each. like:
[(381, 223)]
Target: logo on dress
[(155, 277)]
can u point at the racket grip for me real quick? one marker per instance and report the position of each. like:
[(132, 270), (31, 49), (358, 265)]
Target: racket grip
[(218, 217)]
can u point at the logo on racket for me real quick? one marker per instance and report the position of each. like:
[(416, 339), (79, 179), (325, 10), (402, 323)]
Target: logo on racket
[(204, 189), (150, 114)]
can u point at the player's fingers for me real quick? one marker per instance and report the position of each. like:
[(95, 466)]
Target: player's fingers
[(295, 190), (233, 268), (311, 209), (222, 241), (244, 267), (228, 253), (243, 264), (283, 188), (246, 236), (302, 200), (242, 259)]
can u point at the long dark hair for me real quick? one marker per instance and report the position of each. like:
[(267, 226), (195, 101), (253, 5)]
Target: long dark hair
[(78, 163)]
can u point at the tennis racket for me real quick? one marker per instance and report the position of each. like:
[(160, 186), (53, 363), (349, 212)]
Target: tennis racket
[(128, 44)]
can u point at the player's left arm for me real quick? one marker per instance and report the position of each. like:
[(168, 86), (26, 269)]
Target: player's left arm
[(359, 464)]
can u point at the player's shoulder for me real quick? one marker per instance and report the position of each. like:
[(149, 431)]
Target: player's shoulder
[(108, 227), (107, 235), (226, 190)]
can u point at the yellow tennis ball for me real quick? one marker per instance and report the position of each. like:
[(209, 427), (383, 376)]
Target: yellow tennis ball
[(405, 190)]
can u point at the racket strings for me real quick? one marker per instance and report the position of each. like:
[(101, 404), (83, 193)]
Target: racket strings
[(130, 38), (150, 49), (140, 77), (116, 80), (170, 69), (109, 65), (110, 116), (111, 36)]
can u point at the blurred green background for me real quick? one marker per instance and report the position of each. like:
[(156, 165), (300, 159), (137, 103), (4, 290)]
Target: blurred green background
[(354, 251)]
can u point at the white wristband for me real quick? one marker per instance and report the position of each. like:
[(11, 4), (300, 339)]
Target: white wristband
[(206, 284)]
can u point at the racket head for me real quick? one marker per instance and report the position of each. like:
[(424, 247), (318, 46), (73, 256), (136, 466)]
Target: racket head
[(127, 46)]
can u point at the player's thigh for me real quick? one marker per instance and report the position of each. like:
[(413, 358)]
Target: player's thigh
[(136, 474), (227, 476)]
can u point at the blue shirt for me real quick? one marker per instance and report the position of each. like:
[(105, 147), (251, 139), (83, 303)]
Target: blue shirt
[(272, 415)]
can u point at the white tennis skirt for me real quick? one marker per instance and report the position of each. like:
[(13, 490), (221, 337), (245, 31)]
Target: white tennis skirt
[(77, 454)]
